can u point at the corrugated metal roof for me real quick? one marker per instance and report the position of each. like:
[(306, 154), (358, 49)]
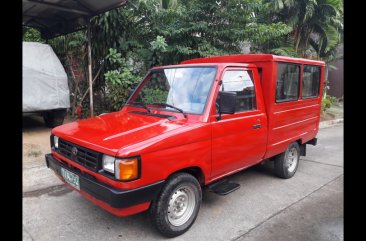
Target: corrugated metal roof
[(58, 17)]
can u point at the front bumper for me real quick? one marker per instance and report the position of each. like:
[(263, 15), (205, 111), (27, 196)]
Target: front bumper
[(116, 198)]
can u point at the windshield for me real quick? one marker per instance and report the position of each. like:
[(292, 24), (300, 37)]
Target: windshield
[(183, 88)]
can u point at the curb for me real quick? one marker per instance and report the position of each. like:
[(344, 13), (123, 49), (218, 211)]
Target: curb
[(329, 123)]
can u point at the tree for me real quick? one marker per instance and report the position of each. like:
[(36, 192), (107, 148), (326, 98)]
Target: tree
[(206, 28), (317, 26)]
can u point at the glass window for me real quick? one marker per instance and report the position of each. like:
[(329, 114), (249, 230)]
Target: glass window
[(310, 81), (184, 88), (241, 82), (287, 87)]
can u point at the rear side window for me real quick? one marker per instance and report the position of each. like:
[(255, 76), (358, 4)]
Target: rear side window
[(310, 81), (288, 78), (241, 82)]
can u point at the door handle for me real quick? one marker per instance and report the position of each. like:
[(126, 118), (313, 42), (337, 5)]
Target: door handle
[(256, 126)]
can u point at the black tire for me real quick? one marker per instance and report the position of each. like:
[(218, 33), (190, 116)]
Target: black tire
[(177, 184), (283, 166), (54, 118)]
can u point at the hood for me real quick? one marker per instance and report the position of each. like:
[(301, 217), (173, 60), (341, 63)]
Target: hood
[(108, 133)]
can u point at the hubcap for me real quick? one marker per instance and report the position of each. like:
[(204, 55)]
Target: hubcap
[(292, 159), (181, 205)]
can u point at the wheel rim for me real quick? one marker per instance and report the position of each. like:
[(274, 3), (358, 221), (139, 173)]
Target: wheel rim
[(181, 205), (292, 159)]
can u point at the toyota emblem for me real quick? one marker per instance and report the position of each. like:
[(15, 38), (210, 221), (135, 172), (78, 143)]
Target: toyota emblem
[(74, 151)]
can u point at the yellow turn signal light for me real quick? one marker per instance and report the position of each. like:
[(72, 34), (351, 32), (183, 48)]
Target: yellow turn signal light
[(127, 169)]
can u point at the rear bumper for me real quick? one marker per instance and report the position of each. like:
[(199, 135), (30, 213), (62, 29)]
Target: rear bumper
[(114, 198)]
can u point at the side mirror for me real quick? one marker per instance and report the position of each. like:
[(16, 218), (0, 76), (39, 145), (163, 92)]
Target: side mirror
[(227, 102)]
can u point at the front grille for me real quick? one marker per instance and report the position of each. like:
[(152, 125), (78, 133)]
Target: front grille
[(85, 157)]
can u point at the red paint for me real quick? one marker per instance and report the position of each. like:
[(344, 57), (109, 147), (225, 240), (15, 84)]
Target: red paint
[(217, 148)]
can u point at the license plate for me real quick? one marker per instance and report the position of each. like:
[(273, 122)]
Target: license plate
[(70, 178)]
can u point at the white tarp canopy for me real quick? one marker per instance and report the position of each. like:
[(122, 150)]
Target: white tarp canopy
[(45, 85)]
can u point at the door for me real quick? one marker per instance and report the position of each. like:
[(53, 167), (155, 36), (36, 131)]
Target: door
[(239, 140)]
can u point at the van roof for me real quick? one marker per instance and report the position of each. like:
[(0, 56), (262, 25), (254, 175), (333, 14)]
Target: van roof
[(206, 64), (243, 58)]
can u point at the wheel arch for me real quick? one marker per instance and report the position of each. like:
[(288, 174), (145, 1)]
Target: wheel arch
[(194, 171)]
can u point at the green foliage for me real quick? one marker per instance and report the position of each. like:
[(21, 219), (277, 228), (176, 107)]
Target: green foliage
[(159, 45), (332, 99), (114, 57), (208, 28), (285, 51), (73, 42), (328, 101), (119, 81), (166, 4), (32, 35), (326, 104), (317, 26)]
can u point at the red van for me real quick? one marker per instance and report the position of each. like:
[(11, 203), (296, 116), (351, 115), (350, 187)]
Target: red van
[(190, 126)]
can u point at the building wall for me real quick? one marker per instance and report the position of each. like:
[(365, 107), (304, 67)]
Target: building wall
[(336, 80), (336, 76)]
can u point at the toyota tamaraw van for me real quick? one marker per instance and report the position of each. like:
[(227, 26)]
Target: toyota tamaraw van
[(190, 126)]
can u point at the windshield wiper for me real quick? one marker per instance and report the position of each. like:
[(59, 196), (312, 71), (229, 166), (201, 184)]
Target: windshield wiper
[(171, 106), (142, 105)]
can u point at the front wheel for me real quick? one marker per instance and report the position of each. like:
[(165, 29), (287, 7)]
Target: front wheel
[(177, 206), (286, 163)]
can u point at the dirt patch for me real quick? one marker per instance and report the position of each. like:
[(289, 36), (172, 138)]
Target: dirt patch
[(36, 142), (31, 150), (324, 116)]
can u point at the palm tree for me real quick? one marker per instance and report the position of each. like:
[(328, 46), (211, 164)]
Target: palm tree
[(317, 25)]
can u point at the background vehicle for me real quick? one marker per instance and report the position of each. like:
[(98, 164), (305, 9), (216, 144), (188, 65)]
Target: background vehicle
[(191, 125), (45, 84)]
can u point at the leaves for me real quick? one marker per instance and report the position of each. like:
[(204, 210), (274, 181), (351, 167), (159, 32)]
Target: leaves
[(114, 57), (159, 44), (119, 81), (31, 35), (317, 26)]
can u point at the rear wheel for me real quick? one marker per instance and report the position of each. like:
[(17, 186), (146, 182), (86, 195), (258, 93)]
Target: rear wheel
[(54, 118), (286, 163), (177, 206)]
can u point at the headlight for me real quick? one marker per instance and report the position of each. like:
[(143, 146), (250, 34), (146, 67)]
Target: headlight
[(55, 141), (127, 169), (108, 163)]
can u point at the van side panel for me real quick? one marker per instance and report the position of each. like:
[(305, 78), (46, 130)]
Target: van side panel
[(293, 120), (287, 121)]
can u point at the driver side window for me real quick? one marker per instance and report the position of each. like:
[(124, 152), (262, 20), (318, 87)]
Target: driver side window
[(240, 82)]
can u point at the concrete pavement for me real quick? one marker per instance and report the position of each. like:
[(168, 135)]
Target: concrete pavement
[(317, 217), (308, 206)]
